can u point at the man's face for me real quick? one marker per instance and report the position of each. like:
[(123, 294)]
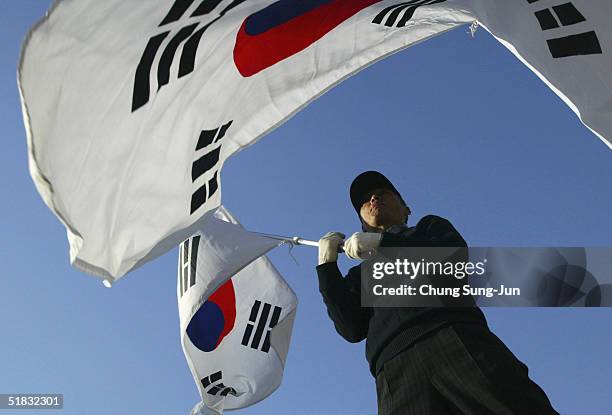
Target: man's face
[(382, 208)]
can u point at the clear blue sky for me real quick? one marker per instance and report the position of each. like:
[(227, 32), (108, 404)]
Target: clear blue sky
[(463, 129)]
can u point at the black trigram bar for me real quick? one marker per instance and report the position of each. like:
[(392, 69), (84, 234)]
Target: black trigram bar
[(380, 16), (223, 131), (187, 62), (176, 11), (143, 71), (195, 243), (206, 7), (213, 185), (198, 198), (546, 19), (222, 390), (205, 163), (207, 137), (261, 320), (201, 195), (179, 8), (393, 12), (217, 388), (254, 311), (183, 264), (273, 322), (574, 45), (165, 62), (568, 14)]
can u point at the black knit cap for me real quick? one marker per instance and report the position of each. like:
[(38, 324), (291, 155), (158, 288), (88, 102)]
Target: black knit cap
[(366, 182)]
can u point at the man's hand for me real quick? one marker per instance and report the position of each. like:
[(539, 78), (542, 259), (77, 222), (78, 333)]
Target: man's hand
[(328, 247), (362, 245)]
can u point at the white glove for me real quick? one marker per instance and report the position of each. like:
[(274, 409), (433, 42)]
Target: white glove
[(328, 247), (362, 245)]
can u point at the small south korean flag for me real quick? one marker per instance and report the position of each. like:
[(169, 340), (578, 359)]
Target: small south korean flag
[(236, 315)]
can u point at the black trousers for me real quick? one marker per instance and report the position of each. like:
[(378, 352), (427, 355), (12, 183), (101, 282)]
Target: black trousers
[(462, 369)]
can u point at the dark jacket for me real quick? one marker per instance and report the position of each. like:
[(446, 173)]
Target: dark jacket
[(390, 330)]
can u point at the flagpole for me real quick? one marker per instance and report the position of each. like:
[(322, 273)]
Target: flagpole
[(296, 240)]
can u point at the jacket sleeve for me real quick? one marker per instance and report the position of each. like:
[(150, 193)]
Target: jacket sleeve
[(430, 231), (342, 296)]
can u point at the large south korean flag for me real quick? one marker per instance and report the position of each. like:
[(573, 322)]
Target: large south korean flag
[(131, 107), (235, 332)]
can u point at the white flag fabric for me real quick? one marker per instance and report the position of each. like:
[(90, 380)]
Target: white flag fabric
[(131, 107), (236, 314)]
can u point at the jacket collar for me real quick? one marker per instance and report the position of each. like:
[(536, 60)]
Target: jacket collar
[(395, 229)]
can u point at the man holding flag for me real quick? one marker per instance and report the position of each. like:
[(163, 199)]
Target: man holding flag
[(426, 360)]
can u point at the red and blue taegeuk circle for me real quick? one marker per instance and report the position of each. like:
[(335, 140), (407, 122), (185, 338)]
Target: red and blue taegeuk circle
[(214, 319), (287, 27)]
